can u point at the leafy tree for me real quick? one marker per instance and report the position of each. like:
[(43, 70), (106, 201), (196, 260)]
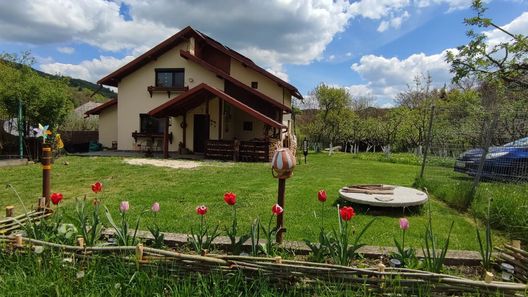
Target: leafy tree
[(330, 121), (506, 61), (44, 100)]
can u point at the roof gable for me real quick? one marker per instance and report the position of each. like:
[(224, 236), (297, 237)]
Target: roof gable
[(113, 78)]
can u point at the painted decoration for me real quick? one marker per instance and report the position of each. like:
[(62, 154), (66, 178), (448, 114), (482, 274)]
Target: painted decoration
[(282, 163), (42, 131)]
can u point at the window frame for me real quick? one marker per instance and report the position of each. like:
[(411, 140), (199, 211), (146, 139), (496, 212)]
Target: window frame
[(159, 122), (173, 78)]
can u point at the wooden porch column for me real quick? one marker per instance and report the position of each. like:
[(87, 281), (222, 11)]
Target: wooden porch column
[(166, 139), (220, 117), (184, 127)]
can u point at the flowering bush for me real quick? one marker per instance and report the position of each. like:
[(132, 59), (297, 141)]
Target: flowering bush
[(202, 240)]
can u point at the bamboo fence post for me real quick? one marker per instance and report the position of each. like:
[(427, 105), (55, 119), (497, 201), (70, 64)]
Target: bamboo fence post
[(516, 244), (80, 242)]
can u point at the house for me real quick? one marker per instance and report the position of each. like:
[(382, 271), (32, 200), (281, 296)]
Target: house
[(190, 93)]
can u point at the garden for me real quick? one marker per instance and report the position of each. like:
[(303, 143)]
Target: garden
[(104, 209)]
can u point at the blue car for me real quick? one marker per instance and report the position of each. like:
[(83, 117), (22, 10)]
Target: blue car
[(507, 162)]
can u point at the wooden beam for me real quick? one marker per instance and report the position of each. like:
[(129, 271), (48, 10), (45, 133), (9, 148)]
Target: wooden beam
[(220, 117), (184, 124), (166, 139)]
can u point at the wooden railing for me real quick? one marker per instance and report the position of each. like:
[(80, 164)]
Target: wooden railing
[(245, 151)]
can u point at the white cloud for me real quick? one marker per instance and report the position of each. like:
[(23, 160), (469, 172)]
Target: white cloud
[(387, 77), (66, 50), (452, 4), (95, 22), (394, 22), (90, 70)]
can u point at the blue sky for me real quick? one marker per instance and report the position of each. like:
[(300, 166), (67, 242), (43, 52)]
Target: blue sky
[(372, 47)]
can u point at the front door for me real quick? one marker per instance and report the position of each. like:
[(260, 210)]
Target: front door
[(201, 132)]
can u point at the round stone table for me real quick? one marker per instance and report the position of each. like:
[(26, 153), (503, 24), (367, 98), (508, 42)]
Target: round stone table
[(401, 197)]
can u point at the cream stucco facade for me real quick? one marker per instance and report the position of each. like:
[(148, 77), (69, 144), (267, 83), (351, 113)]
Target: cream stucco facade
[(108, 126), (120, 121)]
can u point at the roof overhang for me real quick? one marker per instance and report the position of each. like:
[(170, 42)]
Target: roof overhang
[(97, 110), (195, 96), (223, 75)]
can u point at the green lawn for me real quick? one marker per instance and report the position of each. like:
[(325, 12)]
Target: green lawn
[(179, 191)]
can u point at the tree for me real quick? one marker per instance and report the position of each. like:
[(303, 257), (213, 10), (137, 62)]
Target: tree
[(506, 62), (330, 121), (44, 100)]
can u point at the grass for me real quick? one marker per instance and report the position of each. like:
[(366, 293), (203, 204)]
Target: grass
[(179, 191), (406, 158), (50, 274), (509, 203)]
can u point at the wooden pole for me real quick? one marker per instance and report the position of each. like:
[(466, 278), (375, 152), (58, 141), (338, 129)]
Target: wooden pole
[(46, 172), (166, 139), (10, 211), (280, 218), (427, 141)]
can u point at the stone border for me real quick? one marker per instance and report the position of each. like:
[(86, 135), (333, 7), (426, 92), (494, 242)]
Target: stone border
[(453, 257)]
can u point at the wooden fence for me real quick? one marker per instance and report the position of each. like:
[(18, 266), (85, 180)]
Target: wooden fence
[(245, 151)]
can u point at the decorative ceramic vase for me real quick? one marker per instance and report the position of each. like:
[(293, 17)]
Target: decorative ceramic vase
[(282, 163)]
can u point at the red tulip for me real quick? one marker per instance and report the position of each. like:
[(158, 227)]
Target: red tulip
[(346, 213), (321, 195), (56, 198), (230, 198), (277, 209), (201, 210), (97, 187)]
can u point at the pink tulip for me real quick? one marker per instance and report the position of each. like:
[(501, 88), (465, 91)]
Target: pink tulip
[(124, 206), (155, 207), (404, 224)]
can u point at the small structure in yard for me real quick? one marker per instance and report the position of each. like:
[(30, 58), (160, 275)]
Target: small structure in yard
[(383, 195)]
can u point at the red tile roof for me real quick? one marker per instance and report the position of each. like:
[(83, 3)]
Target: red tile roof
[(113, 78)]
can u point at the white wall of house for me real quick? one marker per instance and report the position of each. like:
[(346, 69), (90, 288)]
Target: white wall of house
[(134, 98), (108, 126)]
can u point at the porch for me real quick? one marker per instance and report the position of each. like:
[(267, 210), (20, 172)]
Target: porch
[(209, 122)]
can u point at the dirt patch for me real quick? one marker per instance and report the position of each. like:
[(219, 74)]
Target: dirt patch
[(165, 163)]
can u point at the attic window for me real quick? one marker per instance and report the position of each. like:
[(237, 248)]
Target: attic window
[(170, 77), (254, 84)]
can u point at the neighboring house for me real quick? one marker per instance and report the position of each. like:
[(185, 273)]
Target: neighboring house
[(192, 94), (82, 109)]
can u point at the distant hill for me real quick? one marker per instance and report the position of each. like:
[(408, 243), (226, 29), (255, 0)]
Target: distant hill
[(82, 84), (82, 91)]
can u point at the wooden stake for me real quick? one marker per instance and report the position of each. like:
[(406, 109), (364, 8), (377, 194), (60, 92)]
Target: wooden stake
[(80, 242), (41, 203), (10, 211), (278, 260), (18, 241), (516, 244), (488, 277), (139, 252)]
